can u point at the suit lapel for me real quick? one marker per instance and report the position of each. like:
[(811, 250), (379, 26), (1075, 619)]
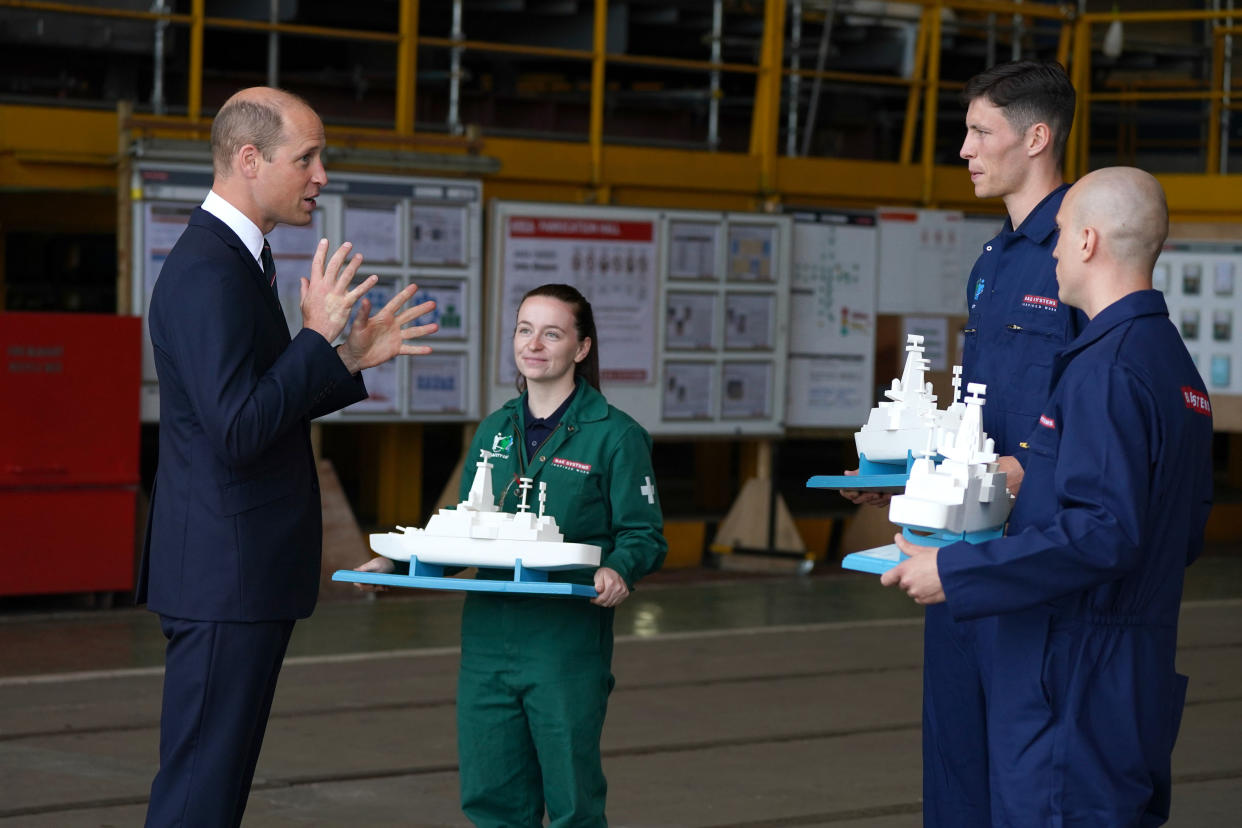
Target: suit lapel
[(266, 295)]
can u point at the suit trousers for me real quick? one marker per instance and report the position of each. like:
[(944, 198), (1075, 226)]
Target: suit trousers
[(219, 680)]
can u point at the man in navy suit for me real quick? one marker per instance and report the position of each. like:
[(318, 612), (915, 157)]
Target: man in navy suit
[(233, 541)]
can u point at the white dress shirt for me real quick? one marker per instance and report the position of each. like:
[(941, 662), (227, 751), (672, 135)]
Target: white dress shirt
[(246, 230)]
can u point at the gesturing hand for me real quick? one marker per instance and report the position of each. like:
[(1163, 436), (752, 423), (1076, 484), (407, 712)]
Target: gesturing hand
[(376, 339), (326, 296)]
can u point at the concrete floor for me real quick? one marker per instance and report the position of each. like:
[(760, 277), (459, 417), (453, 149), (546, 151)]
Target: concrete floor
[(775, 701)]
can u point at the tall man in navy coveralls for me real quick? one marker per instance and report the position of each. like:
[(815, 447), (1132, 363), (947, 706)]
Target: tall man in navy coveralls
[(1017, 122), (233, 543), (1085, 702)]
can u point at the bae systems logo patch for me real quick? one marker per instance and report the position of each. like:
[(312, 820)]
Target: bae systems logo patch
[(1046, 421), (1041, 302), (1196, 400), (572, 465)]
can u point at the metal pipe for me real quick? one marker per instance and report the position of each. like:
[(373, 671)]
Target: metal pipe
[(1226, 114), (931, 106), (454, 114), (916, 87), (713, 95), (991, 39), (821, 58), (1015, 49), (595, 138), (795, 63), (273, 45), (158, 105), (407, 66), (194, 93)]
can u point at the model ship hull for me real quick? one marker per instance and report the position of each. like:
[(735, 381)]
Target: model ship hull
[(446, 550), (964, 516)]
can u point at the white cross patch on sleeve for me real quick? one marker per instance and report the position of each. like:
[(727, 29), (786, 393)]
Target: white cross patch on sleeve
[(648, 489)]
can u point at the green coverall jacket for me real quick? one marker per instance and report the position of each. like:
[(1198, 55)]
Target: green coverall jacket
[(601, 489)]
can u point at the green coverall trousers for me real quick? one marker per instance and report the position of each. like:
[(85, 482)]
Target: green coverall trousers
[(531, 698)]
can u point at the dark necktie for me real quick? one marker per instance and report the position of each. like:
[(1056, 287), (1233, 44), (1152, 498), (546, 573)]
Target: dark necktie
[(269, 264)]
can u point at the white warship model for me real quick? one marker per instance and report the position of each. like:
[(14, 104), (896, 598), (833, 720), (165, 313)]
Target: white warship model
[(962, 494), (900, 427), (962, 497), (477, 533)]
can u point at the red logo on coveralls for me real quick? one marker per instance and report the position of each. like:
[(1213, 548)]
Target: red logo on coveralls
[(573, 465), (1033, 301), (1046, 421), (1196, 400)]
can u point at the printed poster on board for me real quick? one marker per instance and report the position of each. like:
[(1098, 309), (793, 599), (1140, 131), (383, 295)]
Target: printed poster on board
[(613, 263)]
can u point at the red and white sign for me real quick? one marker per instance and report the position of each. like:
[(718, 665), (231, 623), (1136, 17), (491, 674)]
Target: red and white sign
[(611, 259), (1046, 421), (1197, 400), (574, 465), (521, 227), (1031, 300)]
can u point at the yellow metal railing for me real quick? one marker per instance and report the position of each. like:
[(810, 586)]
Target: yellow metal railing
[(924, 86), (1220, 98)]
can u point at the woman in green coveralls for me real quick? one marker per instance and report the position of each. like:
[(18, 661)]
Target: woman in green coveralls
[(536, 671)]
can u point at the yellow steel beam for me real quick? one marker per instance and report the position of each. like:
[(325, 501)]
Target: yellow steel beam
[(765, 118), (1135, 95), (92, 11), (1214, 111), (1159, 16), (400, 462), (301, 29), (1061, 12), (916, 88), (852, 77), (599, 47), (407, 66), (1076, 152), (194, 95), (1064, 43), (507, 48), (931, 104), (678, 63)]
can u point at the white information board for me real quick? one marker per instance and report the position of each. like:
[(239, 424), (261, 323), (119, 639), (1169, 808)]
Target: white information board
[(691, 308), (423, 230), (926, 257), (832, 319), (1202, 285)]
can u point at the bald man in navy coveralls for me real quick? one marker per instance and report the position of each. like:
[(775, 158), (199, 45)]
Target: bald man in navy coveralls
[(233, 542), (1086, 586)]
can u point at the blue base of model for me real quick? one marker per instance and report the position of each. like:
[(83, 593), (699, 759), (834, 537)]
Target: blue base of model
[(872, 476), (881, 559), (430, 576)]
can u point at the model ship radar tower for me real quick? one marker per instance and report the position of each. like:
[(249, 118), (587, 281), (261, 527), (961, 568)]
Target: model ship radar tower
[(480, 498)]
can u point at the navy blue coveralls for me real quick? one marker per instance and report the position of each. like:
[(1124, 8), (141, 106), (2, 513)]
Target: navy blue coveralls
[(1085, 703), (1015, 327)]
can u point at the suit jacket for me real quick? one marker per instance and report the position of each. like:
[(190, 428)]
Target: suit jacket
[(234, 532)]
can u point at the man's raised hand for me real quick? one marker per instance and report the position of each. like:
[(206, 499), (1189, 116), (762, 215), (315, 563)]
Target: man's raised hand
[(326, 296), (376, 339)]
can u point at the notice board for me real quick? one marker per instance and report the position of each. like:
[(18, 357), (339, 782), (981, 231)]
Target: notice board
[(692, 308), (832, 319), (408, 229)]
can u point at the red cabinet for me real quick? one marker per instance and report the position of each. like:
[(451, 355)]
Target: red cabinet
[(69, 433)]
